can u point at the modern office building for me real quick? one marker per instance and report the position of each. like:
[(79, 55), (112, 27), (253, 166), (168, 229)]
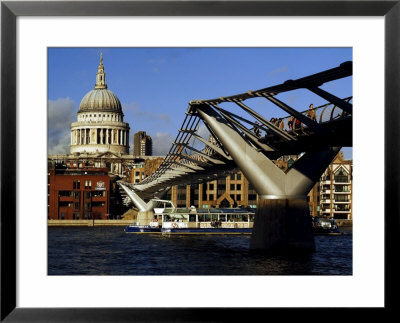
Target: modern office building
[(142, 144)]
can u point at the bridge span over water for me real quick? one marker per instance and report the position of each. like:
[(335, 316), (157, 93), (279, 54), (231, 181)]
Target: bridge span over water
[(222, 135)]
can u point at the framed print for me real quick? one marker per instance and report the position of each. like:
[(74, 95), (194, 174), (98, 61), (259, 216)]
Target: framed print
[(158, 24)]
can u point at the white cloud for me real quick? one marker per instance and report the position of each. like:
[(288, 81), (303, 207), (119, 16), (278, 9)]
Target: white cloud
[(162, 142), (61, 113)]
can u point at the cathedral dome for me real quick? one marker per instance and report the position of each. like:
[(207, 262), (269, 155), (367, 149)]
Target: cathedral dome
[(100, 129), (100, 100)]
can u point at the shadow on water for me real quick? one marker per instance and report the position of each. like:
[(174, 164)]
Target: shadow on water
[(110, 251)]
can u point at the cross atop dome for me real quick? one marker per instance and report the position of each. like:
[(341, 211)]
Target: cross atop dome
[(101, 75)]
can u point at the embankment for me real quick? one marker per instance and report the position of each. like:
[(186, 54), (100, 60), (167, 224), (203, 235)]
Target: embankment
[(87, 223)]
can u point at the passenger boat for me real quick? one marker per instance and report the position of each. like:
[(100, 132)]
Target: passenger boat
[(207, 221), (323, 226), (172, 220)]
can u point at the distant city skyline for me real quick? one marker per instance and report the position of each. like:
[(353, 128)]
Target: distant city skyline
[(155, 85)]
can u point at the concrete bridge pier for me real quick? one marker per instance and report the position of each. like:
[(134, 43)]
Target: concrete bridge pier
[(282, 225), (144, 217), (282, 218), (146, 213)]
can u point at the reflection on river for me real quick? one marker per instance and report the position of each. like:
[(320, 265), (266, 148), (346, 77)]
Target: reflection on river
[(110, 251)]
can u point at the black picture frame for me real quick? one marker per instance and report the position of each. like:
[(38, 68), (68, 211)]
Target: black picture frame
[(10, 10)]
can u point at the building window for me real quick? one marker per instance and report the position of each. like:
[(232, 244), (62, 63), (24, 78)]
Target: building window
[(65, 204), (238, 187), (182, 196), (232, 187), (238, 197), (342, 188), (88, 184), (65, 193), (252, 197), (341, 176), (98, 204), (239, 176), (341, 198), (211, 186), (98, 193), (77, 184)]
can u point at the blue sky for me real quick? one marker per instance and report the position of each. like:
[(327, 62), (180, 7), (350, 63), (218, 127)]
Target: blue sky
[(155, 85)]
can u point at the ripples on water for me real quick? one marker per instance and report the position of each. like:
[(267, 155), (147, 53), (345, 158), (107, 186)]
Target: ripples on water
[(110, 251)]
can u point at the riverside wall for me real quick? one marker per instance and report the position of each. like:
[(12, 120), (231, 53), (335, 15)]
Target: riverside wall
[(87, 223), (110, 223), (344, 223)]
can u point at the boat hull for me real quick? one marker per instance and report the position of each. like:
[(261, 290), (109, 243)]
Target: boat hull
[(142, 229), (188, 231)]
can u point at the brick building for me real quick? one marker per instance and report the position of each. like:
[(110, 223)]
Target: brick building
[(78, 193)]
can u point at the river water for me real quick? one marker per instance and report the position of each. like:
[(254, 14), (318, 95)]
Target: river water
[(110, 251)]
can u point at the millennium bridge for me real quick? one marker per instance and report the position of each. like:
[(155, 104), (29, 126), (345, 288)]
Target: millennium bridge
[(224, 135)]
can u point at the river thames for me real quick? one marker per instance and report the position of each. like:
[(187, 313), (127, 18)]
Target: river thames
[(110, 251)]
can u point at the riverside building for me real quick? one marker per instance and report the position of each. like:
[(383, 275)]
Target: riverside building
[(78, 193), (335, 189)]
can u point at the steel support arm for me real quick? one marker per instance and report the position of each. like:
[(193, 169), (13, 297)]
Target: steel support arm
[(307, 121), (136, 199), (345, 106), (268, 180)]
